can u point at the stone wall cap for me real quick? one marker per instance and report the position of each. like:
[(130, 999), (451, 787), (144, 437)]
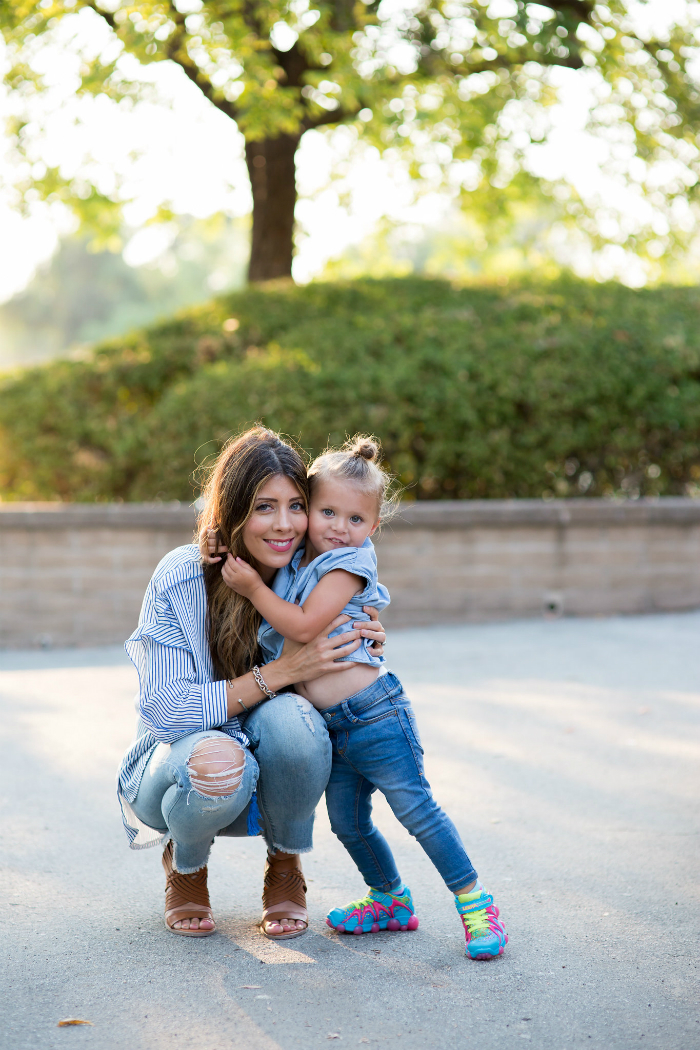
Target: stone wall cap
[(425, 514), (456, 514), (172, 515)]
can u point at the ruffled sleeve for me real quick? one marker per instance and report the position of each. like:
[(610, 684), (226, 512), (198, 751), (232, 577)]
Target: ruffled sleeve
[(360, 561)]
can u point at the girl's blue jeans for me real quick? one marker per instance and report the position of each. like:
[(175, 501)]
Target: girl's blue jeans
[(288, 763), (376, 747)]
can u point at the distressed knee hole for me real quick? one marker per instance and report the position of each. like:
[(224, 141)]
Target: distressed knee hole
[(216, 767), (305, 709)]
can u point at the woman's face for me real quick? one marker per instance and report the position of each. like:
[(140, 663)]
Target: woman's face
[(276, 527)]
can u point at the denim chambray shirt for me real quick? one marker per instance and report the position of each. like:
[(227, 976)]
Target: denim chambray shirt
[(295, 585)]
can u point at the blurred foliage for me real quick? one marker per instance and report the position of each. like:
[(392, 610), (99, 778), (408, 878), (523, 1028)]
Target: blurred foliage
[(460, 89), (526, 233), (539, 388), (83, 294), (516, 241)]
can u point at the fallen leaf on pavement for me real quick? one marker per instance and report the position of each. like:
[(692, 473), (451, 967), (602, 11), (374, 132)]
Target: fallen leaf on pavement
[(71, 1020), (334, 1035), (251, 986)]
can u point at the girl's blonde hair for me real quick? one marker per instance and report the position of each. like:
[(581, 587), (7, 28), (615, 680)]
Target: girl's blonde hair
[(359, 460), (242, 467)]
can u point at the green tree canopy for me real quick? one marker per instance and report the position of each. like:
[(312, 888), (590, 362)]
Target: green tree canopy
[(433, 78)]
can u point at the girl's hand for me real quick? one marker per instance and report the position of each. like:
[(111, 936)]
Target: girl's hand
[(240, 576), (319, 656), (373, 629), (209, 547)]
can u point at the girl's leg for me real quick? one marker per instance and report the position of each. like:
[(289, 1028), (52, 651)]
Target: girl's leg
[(388, 753), (291, 744), (388, 905), (349, 804), (386, 750)]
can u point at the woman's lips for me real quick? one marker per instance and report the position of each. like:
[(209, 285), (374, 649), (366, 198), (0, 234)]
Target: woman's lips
[(280, 546)]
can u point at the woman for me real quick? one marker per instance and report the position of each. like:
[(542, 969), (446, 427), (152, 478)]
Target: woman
[(220, 748)]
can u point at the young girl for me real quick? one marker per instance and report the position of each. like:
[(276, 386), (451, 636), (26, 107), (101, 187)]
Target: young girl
[(370, 721)]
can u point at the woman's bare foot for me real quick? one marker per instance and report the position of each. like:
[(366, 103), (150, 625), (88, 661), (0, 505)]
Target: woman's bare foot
[(185, 895), (284, 888), (274, 928), (194, 924)]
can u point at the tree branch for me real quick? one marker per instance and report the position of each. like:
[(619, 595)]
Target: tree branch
[(433, 67), (107, 15), (582, 8), (177, 53), (294, 64), (331, 116)]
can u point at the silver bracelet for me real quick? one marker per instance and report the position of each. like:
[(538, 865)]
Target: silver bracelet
[(261, 683), (229, 683)]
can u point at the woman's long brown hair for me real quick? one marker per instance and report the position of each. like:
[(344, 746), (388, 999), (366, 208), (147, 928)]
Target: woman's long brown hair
[(244, 464)]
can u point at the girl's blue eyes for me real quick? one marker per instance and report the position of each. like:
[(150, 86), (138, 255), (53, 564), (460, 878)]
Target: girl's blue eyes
[(355, 519)]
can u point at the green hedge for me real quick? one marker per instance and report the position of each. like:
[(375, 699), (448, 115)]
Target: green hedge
[(562, 388)]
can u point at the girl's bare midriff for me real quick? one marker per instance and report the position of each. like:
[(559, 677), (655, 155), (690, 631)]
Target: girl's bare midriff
[(331, 689)]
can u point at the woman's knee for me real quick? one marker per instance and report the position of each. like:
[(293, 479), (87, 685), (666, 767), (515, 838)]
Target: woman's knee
[(294, 749), (216, 766), (291, 724)]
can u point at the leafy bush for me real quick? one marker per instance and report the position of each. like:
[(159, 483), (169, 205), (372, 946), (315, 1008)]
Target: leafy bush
[(562, 388)]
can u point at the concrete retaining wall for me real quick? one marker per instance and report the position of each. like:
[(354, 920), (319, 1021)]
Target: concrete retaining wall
[(75, 574)]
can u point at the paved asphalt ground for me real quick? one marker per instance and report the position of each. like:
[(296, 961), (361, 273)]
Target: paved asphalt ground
[(567, 753)]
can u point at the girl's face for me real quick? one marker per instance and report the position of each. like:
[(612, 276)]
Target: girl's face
[(276, 527), (340, 515)]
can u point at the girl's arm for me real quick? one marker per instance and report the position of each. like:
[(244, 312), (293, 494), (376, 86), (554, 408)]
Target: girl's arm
[(300, 623)]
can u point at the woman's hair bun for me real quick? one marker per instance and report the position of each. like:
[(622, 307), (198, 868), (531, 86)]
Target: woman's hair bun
[(364, 447)]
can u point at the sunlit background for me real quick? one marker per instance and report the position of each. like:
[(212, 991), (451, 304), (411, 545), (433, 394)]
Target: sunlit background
[(178, 160)]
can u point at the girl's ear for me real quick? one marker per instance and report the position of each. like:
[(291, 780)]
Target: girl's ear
[(374, 527)]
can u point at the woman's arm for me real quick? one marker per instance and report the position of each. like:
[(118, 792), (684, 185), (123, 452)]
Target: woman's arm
[(301, 623), (303, 664), (172, 702)]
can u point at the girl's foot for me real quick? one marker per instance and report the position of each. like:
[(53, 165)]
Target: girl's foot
[(485, 933), (187, 908), (377, 911), (284, 898)]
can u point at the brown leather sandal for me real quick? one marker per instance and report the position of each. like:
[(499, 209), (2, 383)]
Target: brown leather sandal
[(284, 895), (186, 896)]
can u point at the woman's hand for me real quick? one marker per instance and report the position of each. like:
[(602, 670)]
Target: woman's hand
[(373, 630), (320, 656), (209, 547)]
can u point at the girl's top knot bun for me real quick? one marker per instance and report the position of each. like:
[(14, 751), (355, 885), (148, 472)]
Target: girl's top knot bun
[(363, 446), (358, 461), (366, 449)]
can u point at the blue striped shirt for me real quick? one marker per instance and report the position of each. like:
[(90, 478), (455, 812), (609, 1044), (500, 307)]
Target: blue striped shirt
[(177, 694)]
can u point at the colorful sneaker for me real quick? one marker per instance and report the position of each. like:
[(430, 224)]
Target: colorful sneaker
[(377, 911), (485, 933)]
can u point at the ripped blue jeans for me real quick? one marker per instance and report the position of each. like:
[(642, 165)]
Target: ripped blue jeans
[(288, 766)]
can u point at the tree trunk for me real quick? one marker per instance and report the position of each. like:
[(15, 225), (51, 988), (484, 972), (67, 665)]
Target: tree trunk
[(273, 180)]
